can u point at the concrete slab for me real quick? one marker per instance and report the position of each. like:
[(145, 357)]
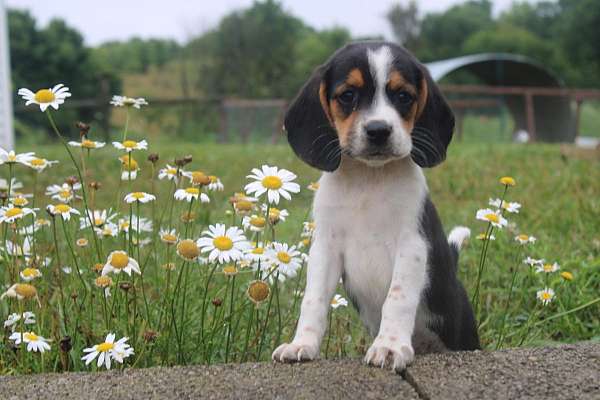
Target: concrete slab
[(344, 379), (563, 372)]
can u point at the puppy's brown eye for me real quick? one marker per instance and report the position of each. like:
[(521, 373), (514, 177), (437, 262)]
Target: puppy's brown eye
[(347, 97), (402, 97)]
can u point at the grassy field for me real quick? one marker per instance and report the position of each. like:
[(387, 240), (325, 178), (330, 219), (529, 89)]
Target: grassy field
[(560, 197)]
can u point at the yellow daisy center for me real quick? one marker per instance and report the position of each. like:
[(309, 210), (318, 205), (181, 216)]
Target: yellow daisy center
[(64, 194), (546, 296), (567, 276), (171, 171), (12, 157), (62, 208), (274, 213), (258, 250), (103, 281), (272, 182), (44, 96), (258, 222), (492, 217), (20, 201), (200, 178), (188, 249), (192, 191), (30, 336), (523, 238), (119, 260), (82, 242), (138, 195), (88, 144), (284, 257), (548, 267), (13, 212), (104, 347), (213, 179), (26, 290), (169, 238), (243, 205), (98, 221), (30, 272), (223, 243), (508, 181), (37, 162), (258, 291), (230, 270), (130, 144)]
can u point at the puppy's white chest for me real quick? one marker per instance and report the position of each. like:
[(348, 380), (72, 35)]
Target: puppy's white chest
[(368, 220)]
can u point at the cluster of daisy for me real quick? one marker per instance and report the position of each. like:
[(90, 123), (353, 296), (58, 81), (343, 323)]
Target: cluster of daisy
[(47, 240)]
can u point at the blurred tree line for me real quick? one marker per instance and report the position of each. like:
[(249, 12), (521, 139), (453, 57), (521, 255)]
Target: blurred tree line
[(265, 52)]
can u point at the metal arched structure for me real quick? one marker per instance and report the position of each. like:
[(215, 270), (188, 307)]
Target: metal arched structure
[(552, 115)]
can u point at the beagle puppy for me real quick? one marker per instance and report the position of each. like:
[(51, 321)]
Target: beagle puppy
[(372, 118)]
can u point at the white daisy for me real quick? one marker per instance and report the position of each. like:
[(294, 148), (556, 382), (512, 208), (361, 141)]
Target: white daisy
[(10, 213), (224, 245), (98, 217), (141, 197), (547, 268), (533, 262), (545, 296), (525, 239), (130, 145), (144, 224), (109, 229), (124, 101), (63, 193), (273, 181), (21, 291), (107, 351), (493, 217), (87, 144), (511, 207), (11, 321), (34, 342), (45, 98), (168, 236), (64, 210), (39, 164), (191, 193), (169, 172), (215, 184), (10, 157), (338, 301), (285, 258), (29, 274), (15, 185), (119, 261), (14, 249), (275, 214), (254, 223), (482, 236), (257, 253)]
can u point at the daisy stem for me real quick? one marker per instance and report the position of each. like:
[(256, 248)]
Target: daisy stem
[(203, 314), (74, 256), (81, 180), (279, 326), (264, 329), (126, 123), (58, 276), (330, 318), (510, 293), (527, 328), (248, 330), (229, 320), (22, 329)]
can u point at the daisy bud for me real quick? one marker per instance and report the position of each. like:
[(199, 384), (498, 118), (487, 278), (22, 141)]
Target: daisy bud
[(83, 128), (98, 267), (217, 302), (71, 180), (150, 336), (125, 286), (95, 185), (3, 195), (153, 158), (65, 344), (187, 159), (179, 162), (74, 296)]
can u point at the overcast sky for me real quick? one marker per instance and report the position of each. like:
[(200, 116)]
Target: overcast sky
[(104, 20)]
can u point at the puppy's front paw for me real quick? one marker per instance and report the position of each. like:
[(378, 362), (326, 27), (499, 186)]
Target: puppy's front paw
[(398, 355), (295, 352)]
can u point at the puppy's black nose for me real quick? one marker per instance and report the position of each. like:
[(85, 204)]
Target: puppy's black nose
[(378, 132)]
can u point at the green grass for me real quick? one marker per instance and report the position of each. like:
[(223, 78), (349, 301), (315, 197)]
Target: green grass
[(561, 205)]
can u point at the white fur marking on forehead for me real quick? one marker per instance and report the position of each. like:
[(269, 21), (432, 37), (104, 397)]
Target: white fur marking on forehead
[(380, 62)]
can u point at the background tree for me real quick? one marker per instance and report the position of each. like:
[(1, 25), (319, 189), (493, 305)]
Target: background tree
[(405, 23)]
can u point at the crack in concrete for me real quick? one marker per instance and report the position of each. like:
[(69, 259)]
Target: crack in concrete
[(407, 376)]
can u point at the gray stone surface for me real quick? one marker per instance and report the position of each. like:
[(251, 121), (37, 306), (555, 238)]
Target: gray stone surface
[(565, 372), (344, 379)]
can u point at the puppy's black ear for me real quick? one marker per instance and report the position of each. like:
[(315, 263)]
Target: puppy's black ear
[(308, 125), (434, 125)]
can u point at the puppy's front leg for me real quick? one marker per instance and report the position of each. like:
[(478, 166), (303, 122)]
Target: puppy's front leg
[(324, 270), (399, 310)]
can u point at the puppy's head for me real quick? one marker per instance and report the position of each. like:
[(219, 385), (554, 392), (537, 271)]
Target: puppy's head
[(372, 101)]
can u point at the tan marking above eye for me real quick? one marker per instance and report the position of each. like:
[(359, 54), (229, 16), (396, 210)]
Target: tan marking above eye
[(355, 78), (396, 82)]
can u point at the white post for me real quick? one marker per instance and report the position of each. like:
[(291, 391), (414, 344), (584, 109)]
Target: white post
[(7, 137)]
